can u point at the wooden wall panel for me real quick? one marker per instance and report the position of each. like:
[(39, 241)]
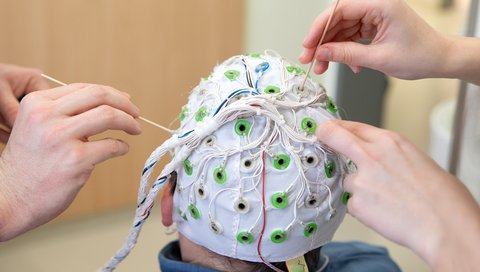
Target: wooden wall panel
[(157, 50)]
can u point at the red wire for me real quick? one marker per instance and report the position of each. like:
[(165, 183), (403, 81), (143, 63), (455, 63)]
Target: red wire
[(264, 208)]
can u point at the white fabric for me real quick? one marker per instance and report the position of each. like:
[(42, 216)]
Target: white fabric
[(208, 139), (219, 205)]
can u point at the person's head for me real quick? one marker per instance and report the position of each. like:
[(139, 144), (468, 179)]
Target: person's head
[(194, 253), (252, 183)]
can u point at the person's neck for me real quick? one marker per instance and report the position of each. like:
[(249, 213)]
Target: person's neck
[(195, 254)]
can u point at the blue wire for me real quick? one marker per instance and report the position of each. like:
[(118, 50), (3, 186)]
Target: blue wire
[(233, 94), (186, 134), (143, 220), (261, 69), (143, 201), (148, 167), (160, 181)]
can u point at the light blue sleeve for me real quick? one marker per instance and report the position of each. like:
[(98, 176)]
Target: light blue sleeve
[(358, 257)]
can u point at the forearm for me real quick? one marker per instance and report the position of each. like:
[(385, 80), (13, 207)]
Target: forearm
[(5, 214), (459, 250), (455, 246), (3, 218), (462, 59), (13, 218)]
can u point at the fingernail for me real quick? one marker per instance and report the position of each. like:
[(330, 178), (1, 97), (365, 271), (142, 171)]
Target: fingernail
[(138, 128), (355, 68), (323, 54), (306, 38)]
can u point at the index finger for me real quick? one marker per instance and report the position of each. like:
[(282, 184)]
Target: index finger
[(35, 81), (351, 11), (61, 91), (337, 137), (92, 96)]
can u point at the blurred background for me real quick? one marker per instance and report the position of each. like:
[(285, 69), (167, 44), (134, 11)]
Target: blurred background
[(157, 50)]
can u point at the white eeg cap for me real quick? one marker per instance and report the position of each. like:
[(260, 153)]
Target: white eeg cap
[(253, 182), (264, 150)]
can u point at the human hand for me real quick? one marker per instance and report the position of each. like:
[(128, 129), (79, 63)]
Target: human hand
[(15, 82), (405, 196), (48, 157), (402, 44)]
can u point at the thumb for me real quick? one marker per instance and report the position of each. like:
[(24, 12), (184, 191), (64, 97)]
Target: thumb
[(350, 53), (4, 135)]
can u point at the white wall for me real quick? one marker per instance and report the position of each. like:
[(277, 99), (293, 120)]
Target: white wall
[(281, 25), (469, 159)]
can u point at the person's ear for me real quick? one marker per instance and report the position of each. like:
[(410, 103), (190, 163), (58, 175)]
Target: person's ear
[(166, 204)]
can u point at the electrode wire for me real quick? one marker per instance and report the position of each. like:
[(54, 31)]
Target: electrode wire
[(302, 85)]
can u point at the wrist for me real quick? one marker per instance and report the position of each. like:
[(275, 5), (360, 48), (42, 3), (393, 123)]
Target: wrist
[(461, 60), (13, 215), (454, 236), (456, 251), (5, 207)]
